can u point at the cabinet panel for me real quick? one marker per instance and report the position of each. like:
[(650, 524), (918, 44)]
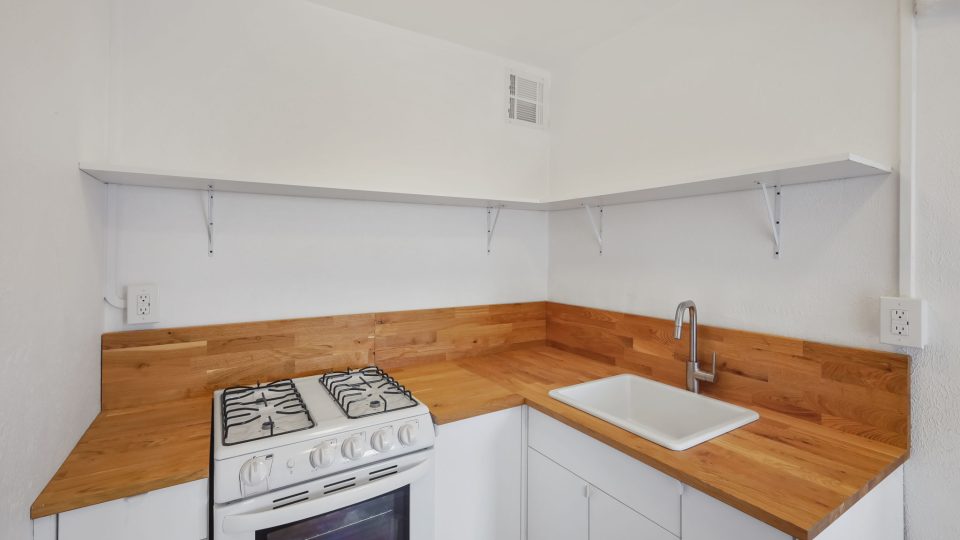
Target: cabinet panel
[(642, 488), (479, 477), (178, 512), (612, 520), (705, 518), (877, 516), (556, 501)]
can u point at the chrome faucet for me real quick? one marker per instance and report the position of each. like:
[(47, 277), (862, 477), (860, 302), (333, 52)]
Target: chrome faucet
[(694, 373)]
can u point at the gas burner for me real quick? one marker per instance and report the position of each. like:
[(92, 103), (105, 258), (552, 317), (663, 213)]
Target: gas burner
[(257, 412), (366, 392)]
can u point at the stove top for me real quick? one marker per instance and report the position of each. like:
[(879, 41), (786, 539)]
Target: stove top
[(366, 392), (267, 436), (262, 416), (250, 413)]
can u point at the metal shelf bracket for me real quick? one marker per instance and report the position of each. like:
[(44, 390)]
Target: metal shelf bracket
[(773, 214), (210, 220), (597, 224), (493, 215)]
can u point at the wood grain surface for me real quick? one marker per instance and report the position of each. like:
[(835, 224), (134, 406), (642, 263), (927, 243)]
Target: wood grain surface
[(862, 392), (796, 475), (132, 451), (427, 335), (793, 474), (153, 366)]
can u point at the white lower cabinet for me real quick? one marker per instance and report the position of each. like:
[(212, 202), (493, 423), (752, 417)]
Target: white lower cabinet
[(610, 519), (557, 503), (581, 489), (652, 495), (705, 518), (174, 513), (563, 506), (479, 477)]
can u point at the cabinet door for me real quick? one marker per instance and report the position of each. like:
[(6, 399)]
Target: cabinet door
[(612, 520), (705, 518), (479, 477), (642, 488), (556, 501), (174, 513)]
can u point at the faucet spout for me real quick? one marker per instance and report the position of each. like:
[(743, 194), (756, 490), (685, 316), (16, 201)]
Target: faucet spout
[(678, 320), (694, 374)]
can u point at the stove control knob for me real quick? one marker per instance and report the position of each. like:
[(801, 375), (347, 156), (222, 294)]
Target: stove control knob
[(255, 471), (382, 440), (353, 447), (407, 434), (322, 456)]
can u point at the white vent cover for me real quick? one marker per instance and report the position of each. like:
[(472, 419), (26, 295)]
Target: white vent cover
[(524, 99)]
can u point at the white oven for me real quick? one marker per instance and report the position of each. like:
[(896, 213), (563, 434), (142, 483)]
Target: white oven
[(387, 500)]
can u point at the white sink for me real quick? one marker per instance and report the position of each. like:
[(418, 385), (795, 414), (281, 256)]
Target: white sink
[(669, 416)]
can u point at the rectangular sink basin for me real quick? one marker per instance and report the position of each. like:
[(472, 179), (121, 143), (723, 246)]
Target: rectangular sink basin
[(663, 414)]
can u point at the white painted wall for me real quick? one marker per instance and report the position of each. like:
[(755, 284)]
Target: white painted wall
[(839, 257), (288, 90), (53, 56), (704, 87), (933, 473), (282, 257)]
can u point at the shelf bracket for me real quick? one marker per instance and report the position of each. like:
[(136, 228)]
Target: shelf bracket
[(209, 220), (773, 214), (597, 224), (493, 215)]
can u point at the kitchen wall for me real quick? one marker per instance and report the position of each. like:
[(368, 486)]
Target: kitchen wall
[(840, 238), (726, 86), (839, 256), (933, 477), (53, 56), (291, 91), (283, 257), (702, 87)]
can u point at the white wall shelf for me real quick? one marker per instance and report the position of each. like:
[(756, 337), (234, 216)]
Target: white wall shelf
[(832, 168), (134, 176)]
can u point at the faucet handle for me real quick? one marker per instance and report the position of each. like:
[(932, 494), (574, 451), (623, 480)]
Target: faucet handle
[(708, 376)]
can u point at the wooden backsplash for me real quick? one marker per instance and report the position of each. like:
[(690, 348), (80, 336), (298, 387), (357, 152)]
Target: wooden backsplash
[(858, 391), (151, 366)]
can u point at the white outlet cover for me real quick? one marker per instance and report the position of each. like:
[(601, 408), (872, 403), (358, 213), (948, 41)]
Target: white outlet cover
[(903, 322), (143, 304)]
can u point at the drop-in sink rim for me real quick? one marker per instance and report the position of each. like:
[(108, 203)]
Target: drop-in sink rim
[(673, 401)]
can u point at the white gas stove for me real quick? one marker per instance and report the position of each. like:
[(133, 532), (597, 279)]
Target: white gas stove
[(342, 455)]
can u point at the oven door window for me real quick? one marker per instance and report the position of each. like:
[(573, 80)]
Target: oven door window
[(386, 517)]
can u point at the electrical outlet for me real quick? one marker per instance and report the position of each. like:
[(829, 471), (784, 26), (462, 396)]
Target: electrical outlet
[(902, 321), (142, 304), (899, 322)]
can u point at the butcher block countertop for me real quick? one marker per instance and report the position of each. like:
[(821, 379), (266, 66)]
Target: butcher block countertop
[(795, 475), (127, 452)]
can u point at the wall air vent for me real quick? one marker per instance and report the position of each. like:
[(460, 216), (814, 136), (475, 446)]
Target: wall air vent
[(524, 99)]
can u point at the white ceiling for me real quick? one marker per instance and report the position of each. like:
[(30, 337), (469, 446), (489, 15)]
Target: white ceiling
[(538, 32)]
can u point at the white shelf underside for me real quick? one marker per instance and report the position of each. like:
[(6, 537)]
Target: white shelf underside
[(833, 168)]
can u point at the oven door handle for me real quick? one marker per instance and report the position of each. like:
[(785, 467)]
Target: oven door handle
[(265, 519)]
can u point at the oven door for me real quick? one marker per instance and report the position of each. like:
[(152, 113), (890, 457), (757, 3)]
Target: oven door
[(389, 500)]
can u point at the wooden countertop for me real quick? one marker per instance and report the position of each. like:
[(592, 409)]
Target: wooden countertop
[(127, 452), (795, 475)]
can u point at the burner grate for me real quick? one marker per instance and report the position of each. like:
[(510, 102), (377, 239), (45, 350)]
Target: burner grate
[(250, 413), (366, 392)]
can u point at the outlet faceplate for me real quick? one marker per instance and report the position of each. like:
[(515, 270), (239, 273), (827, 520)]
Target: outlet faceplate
[(902, 321), (142, 304)]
